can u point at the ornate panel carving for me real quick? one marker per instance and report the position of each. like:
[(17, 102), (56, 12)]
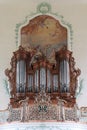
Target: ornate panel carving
[(42, 110)]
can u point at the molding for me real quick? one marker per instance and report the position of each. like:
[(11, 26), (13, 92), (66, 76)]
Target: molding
[(44, 126), (80, 88), (6, 86)]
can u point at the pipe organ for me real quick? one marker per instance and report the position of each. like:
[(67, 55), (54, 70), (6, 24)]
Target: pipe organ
[(40, 89), (28, 78)]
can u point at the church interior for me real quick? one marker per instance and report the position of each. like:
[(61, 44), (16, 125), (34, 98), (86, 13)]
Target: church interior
[(43, 65)]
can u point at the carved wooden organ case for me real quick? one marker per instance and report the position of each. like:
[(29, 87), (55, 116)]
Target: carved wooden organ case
[(30, 72)]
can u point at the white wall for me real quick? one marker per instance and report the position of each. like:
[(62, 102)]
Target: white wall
[(13, 12)]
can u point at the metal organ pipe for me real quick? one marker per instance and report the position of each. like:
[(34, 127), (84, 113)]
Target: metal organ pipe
[(64, 76), (21, 76)]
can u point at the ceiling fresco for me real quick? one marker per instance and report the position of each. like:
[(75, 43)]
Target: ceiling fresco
[(44, 32)]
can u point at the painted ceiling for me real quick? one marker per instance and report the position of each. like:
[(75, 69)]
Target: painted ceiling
[(43, 31)]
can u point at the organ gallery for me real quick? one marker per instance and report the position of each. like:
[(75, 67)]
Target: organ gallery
[(42, 88)]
